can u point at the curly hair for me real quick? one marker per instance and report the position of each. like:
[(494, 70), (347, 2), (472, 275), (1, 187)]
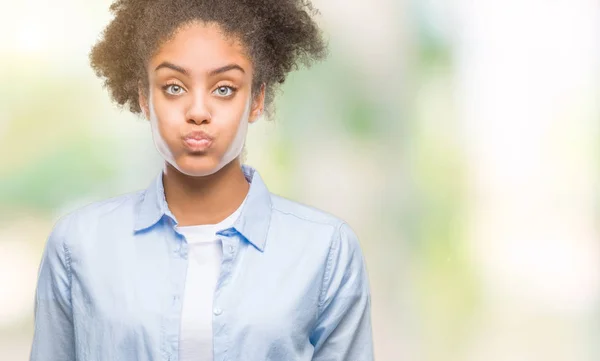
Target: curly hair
[(278, 36)]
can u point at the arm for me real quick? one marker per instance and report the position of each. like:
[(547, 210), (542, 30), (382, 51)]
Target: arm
[(53, 338), (343, 330)]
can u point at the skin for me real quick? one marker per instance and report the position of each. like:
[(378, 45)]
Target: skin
[(201, 79)]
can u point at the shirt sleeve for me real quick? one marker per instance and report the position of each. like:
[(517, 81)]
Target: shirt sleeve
[(53, 338), (343, 330)]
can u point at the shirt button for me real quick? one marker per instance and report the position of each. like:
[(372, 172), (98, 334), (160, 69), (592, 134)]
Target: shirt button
[(230, 249), (217, 311)]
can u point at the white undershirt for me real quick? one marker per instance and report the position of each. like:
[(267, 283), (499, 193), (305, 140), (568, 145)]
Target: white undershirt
[(204, 267)]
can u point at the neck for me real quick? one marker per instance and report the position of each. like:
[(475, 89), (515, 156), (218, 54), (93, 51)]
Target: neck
[(204, 200)]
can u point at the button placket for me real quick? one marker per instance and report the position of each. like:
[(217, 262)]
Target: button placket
[(231, 246), (228, 251)]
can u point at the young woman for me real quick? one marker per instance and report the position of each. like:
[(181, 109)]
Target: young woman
[(206, 263)]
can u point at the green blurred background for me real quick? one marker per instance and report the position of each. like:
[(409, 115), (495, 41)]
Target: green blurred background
[(458, 138)]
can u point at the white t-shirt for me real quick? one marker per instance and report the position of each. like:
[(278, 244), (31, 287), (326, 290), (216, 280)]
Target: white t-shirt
[(204, 266)]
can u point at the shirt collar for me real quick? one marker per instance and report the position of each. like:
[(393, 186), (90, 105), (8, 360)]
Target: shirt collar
[(253, 222)]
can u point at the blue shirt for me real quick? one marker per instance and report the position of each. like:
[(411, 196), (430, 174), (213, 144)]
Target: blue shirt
[(293, 284)]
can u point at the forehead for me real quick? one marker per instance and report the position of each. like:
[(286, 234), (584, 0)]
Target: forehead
[(201, 47)]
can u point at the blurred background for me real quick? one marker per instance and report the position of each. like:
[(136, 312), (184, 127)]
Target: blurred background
[(460, 140)]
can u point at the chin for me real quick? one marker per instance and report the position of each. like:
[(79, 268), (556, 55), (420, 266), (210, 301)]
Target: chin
[(197, 165)]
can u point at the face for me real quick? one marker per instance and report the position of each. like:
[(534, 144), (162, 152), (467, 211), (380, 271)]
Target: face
[(199, 99)]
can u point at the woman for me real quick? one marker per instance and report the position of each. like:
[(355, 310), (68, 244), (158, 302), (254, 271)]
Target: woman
[(206, 263)]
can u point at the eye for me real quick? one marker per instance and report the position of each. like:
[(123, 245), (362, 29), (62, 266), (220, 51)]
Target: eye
[(224, 91), (173, 89)]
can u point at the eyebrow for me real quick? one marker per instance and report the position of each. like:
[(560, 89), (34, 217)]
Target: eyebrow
[(225, 68), (166, 64), (177, 68)]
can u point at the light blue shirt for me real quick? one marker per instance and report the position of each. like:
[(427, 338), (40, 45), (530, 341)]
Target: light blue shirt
[(293, 284)]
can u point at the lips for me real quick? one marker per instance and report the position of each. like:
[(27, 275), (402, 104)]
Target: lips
[(197, 141)]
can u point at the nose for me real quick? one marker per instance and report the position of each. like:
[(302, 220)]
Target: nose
[(198, 111)]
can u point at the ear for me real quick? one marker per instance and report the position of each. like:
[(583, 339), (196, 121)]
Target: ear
[(258, 105), (143, 101)]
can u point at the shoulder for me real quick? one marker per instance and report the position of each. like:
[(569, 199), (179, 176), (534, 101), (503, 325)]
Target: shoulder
[(305, 219), (107, 209), (107, 206), (303, 213), (103, 212), (343, 260)]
